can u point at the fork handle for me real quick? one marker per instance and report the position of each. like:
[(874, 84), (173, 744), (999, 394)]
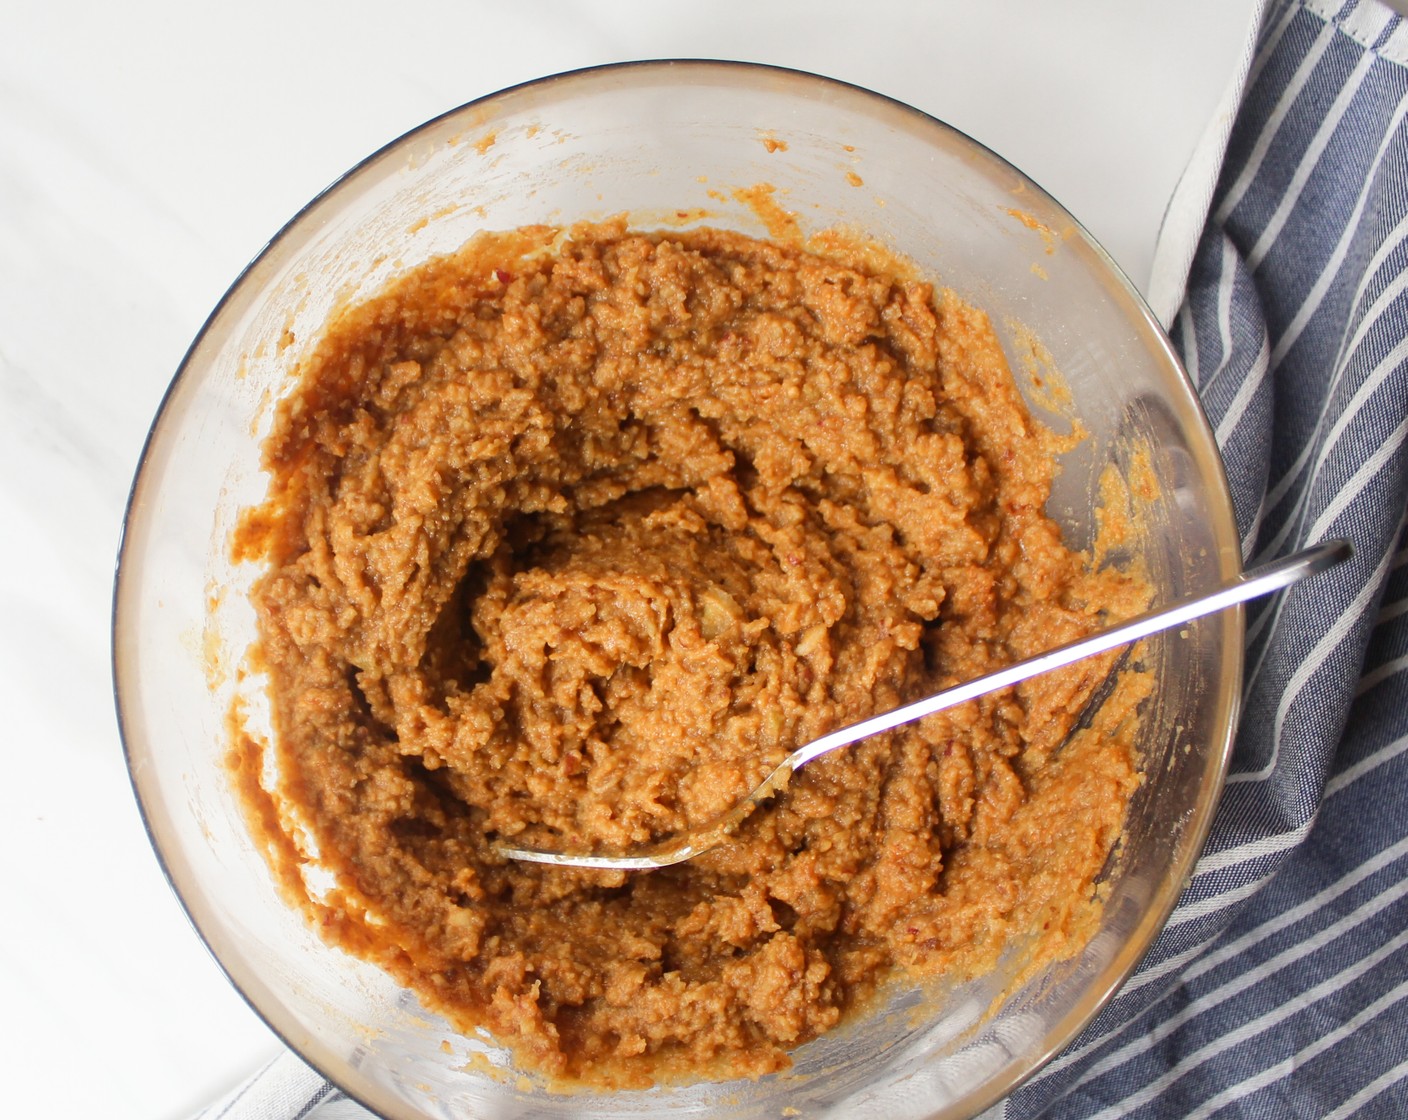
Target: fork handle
[(1252, 584)]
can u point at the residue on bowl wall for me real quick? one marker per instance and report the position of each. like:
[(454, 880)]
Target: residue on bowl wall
[(1128, 490), (1050, 237), (214, 656), (1042, 382), (261, 411), (425, 221), (780, 223), (674, 218), (772, 143)]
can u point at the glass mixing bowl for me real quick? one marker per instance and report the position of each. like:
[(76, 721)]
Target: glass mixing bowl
[(667, 142)]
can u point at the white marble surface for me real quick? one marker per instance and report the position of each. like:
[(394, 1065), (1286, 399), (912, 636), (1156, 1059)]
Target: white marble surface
[(147, 151)]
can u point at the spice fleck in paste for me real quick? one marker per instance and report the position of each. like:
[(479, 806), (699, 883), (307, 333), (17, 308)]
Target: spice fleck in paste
[(570, 539)]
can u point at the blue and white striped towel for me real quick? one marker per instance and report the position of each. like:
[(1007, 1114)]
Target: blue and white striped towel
[(1280, 987)]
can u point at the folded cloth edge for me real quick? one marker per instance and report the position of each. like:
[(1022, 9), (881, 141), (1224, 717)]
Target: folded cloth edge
[(1186, 214)]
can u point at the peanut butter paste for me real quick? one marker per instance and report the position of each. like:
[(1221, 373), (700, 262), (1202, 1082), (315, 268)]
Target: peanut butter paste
[(571, 537)]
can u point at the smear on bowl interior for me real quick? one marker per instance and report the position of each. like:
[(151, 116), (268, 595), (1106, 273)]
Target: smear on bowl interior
[(570, 537)]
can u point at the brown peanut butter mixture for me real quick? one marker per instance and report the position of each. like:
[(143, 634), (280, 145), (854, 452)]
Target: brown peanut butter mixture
[(570, 539)]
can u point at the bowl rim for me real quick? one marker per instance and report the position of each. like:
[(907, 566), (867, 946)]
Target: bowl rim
[(1155, 916)]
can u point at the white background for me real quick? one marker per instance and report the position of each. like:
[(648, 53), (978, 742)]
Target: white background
[(147, 150)]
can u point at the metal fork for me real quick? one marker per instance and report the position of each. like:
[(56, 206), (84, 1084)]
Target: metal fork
[(691, 842)]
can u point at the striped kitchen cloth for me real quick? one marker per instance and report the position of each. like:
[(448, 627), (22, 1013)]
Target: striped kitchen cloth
[(1280, 986)]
